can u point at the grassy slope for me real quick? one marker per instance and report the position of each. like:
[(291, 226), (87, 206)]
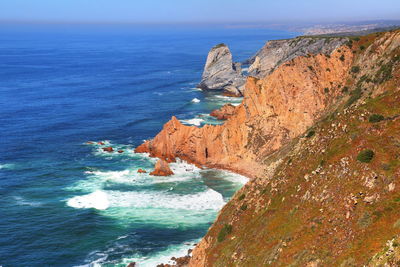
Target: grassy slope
[(322, 206)]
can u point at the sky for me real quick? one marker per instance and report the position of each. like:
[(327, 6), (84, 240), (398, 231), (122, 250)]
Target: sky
[(196, 11)]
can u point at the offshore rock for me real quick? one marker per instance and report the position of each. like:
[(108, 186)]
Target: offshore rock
[(220, 73), (224, 113), (162, 169), (108, 149)]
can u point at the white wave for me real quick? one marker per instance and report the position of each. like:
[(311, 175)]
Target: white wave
[(101, 200), (234, 177), (23, 202), (7, 166), (97, 200), (160, 257), (196, 121), (195, 100)]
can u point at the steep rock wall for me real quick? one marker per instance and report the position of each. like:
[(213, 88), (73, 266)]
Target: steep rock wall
[(274, 110)]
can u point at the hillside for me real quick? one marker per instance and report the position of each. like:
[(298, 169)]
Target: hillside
[(325, 204), (320, 138)]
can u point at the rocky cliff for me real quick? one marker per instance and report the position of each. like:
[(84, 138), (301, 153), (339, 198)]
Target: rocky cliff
[(221, 73), (333, 196), (272, 113), (275, 53), (320, 137)]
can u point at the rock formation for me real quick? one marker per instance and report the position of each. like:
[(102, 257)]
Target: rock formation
[(141, 171), (108, 149), (220, 73), (274, 111), (224, 113), (321, 205), (162, 169), (275, 53)]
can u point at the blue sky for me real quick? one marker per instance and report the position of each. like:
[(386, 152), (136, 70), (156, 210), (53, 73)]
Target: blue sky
[(172, 11)]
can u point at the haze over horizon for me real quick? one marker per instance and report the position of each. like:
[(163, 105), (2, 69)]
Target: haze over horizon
[(196, 11)]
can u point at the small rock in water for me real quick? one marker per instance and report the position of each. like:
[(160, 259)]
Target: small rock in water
[(141, 171), (108, 149), (89, 142), (132, 264), (162, 169), (100, 143), (120, 151)]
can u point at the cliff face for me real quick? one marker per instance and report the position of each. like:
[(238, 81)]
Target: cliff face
[(275, 53), (332, 198), (220, 73), (274, 110)]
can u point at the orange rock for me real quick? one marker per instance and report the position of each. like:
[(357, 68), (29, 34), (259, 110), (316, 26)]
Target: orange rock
[(89, 142), (120, 151), (108, 149), (225, 112), (141, 171), (162, 169), (100, 143), (274, 110)]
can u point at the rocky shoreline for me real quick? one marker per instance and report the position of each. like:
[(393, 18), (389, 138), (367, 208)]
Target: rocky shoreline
[(293, 85)]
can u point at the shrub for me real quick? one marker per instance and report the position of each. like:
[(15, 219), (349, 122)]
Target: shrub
[(226, 230), (310, 134), (356, 39), (362, 47), (376, 118), (366, 156), (355, 95), (355, 69), (342, 58), (310, 68), (242, 196), (243, 207), (345, 89), (326, 90)]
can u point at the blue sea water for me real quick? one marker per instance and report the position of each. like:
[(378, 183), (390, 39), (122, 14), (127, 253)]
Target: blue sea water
[(67, 203)]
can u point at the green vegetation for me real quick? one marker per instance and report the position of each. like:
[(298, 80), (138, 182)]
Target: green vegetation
[(310, 134), (342, 58), (226, 230), (362, 47), (366, 156), (345, 89), (355, 95), (355, 69), (243, 207), (310, 68), (385, 72), (376, 118), (326, 90), (242, 196)]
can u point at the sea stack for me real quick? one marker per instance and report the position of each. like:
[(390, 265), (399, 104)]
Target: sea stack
[(221, 73), (162, 169)]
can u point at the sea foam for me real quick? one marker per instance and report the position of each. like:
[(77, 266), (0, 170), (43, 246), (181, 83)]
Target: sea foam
[(97, 200)]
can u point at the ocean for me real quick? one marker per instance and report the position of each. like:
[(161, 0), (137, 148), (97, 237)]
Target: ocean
[(64, 202)]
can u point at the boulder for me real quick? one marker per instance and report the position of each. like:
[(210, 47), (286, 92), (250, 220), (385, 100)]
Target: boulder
[(220, 73), (225, 112), (108, 149), (161, 169)]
